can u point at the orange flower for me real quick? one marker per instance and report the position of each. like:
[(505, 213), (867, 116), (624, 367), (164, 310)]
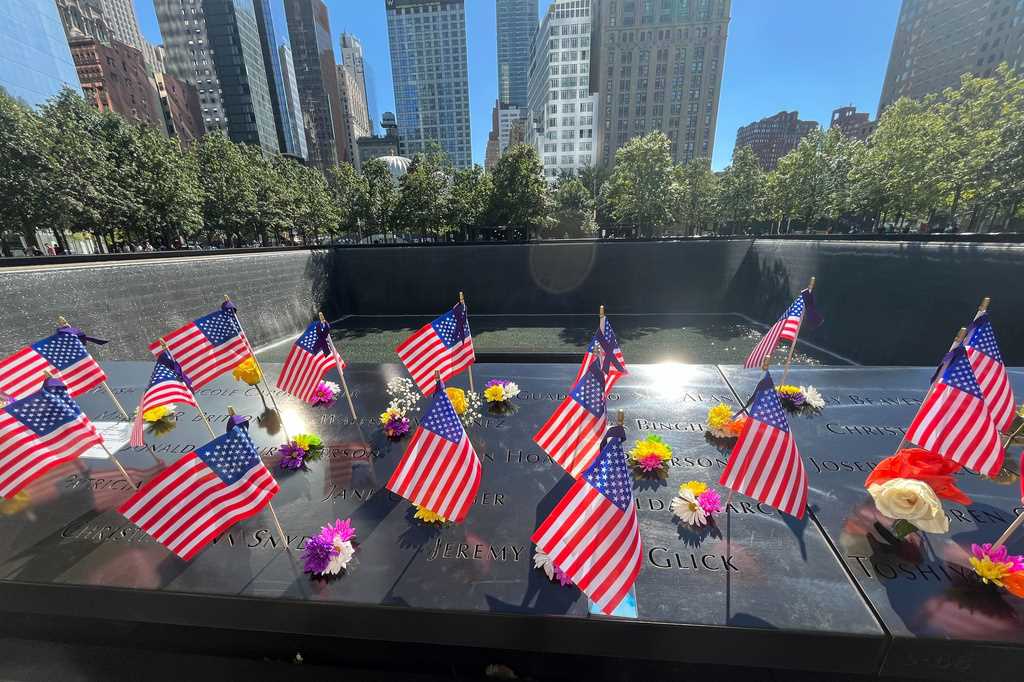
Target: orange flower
[(735, 427), (1014, 583), (921, 465)]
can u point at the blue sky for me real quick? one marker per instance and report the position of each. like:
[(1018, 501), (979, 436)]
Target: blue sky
[(808, 55)]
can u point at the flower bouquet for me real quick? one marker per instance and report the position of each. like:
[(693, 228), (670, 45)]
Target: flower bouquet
[(723, 424), (696, 503), (800, 399), (297, 453), (907, 488), (329, 552), (325, 394), (465, 403), (499, 394), (554, 573), (394, 423), (996, 566), (650, 456)]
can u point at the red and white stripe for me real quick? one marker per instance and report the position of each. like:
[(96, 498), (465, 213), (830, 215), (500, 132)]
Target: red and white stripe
[(572, 436), (164, 393), (995, 386), (957, 425), (24, 372), (202, 361), (766, 466), (439, 475), (596, 544), (303, 371), (424, 352), (24, 455), (613, 374), (784, 330), (187, 505)]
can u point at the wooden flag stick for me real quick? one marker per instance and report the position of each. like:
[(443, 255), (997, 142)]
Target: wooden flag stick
[(1009, 531), (195, 398), (792, 346), (62, 321), (341, 372), (600, 318), (462, 300), (621, 418), (270, 506)]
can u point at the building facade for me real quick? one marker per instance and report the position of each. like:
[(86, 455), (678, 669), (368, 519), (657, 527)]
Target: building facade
[(562, 116), (124, 27), (377, 146), (937, 41), (773, 137), (854, 124), (309, 30), (429, 67), (35, 60), (275, 76), (658, 66), (86, 17), (114, 78), (296, 122), (516, 22), (355, 109), (183, 117)]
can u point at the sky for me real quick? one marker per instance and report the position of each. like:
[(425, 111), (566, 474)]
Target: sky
[(806, 55)]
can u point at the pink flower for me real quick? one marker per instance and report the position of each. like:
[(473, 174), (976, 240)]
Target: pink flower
[(650, 463), (340, 530), (999, 556), (562, 578), (710, 501)]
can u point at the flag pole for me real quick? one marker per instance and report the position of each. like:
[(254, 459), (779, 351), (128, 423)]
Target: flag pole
[(792, 346), (341, 372), (462, 300), (270, 505), (983, 308), (263, 376), (62, 321), (1008, 532), (600, 318), (206, 420), (958, 339)]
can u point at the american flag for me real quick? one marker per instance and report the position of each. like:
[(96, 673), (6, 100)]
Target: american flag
[(572, 435), (39, 432), (63, 354), (310, 358), (207, 347), (605, 349), (203, 494), (167, 384), (440, 470), (444, 345), (765, 463), (593, 535), (786, 329), (987, 362), (954, 422)]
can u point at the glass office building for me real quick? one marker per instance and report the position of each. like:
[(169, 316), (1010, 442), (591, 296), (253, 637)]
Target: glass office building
[(275, 75), (35, 61), (516, 22)]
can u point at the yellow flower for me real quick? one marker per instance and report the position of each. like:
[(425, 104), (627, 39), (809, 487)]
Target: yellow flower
[(248, 371), (306, 440), (694, 487), (157, 413), (15, 504), (427, 516), (387, 415), (651, 446), (458, 398), (788, 389), (495, 394), (990, 571), (719, 416)]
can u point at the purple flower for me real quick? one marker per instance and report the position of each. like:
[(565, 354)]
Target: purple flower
[(318, 553), (562, 578), (999, 556), (396, 427), (495, 382), (339, 530), (798, 399), (292, 456), (710, 501)]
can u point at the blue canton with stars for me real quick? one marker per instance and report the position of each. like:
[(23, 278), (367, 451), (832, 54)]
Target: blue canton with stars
[(162, 373), (797, 309), (230, 456), (983, 338), (610, 475), (441, 419), (609, 335), (445, 327), (589, 390), (61, 350), (218, 327), (307, 341), (767, 408), (959, 375), (45, 410)]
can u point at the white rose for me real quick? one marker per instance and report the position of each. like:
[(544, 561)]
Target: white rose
[(913, 500)]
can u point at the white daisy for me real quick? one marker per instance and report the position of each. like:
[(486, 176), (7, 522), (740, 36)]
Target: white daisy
[(685, 506)]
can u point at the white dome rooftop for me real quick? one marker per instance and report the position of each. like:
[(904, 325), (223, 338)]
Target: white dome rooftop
[(397, 165)]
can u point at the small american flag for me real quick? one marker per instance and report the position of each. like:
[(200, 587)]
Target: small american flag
[(987, 362), (786, 329), (207, 347), (445, 345), (203, 494), (954, 422), (605, 349), (39, 432), (765, 463), (167, 384), (308, 361), (572, 435), (62, 353), (440, 470), (593, 534)]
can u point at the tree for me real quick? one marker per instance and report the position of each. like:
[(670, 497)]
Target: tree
[(229, 193), (350, 194), (574, 210), (643, 190), (381, 193), (740, 187), (423, 199), (520, 197), (167, 186), (472, 190), (697, 195), (26, 172)]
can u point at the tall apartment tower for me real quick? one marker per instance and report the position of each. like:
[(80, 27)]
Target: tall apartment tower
[(214, 46), (658, 66), (854, 124), (124, 25), (516, 22), (561, 107), (275, 76), (352, 81), (428, 65), (309, 30), (773, 137), (296, 122), (937, 41)]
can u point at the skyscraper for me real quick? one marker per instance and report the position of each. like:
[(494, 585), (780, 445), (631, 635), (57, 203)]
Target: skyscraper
[(215, 47), (309, 30), (854, 124), (773, 137), (358, 104), (428, 65), (291, 90), (658, 66), (561, 107), (516, 23), (120, 16), (275, 76), (937, 41), (85, 16), (35, 61)]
